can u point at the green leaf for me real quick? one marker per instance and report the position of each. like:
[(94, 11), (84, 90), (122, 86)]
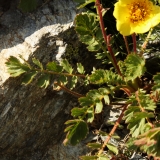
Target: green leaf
[(99, 107), (83, 3), (63, 79), (53, 66), (75, 112), (15, 67), (149, 142), (133, 66), (78, 132), (105, 76), (90, 116), (38, 63), (106, 99), (102, 157), (80, 68), (72, 121), (88, 157), (27, 5), (94, 145), (43, 81), (112, 148), (94, 95), (146, 102), (73, 82), (87, 27), (85, 101), (67, 67), (29, 77), (156, 87)]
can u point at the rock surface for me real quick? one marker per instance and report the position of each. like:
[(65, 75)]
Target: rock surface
[(32, 119)]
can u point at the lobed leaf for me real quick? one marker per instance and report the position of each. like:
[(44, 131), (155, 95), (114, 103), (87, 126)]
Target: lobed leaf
[(94, 145), (44, 81), (105, 76), (38, 63), (89, 32), (15, 67), (90, 115), (77, 132), (75, 112), (53, 66), (149, 142), (80, 68), (88, 157), (73, 82), (29, 77), (66, 66), (112, 148), (133, 66)]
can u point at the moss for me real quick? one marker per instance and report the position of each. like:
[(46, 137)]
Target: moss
[(72, 54)]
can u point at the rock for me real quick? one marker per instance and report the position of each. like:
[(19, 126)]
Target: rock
[(32, 119)]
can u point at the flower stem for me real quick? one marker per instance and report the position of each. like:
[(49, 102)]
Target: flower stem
[(113, 129), (112, 55), (134, 42), (106, 38), (126, 43)]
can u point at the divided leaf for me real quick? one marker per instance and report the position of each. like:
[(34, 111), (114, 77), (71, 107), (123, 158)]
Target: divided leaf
[(76, 112), (66, 66), (80, 68), (112, 148), (53, 66), (133, 66), (105, 76), (29, 77), (156, 87), (38, 63), (43, 81), (77, 131), (15, 67), (150, 142), (89, 32)]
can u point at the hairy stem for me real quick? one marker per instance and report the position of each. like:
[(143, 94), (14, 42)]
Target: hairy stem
[(69, 91), (106, 38), (57, 73), (142, 109), (113, 129), (126, 44), (134, 42)]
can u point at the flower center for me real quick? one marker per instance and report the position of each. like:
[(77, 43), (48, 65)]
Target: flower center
[(139, 11)]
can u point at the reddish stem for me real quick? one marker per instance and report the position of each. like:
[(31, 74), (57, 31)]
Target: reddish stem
[(134, 42), (113, 129), (112, 55), (126, 43), (106, 38)]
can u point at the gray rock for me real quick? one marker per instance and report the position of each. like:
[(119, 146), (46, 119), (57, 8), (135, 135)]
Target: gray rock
[(32, 119)]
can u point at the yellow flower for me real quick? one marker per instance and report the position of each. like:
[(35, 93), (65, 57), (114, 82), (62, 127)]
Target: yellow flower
[(136, 16)]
